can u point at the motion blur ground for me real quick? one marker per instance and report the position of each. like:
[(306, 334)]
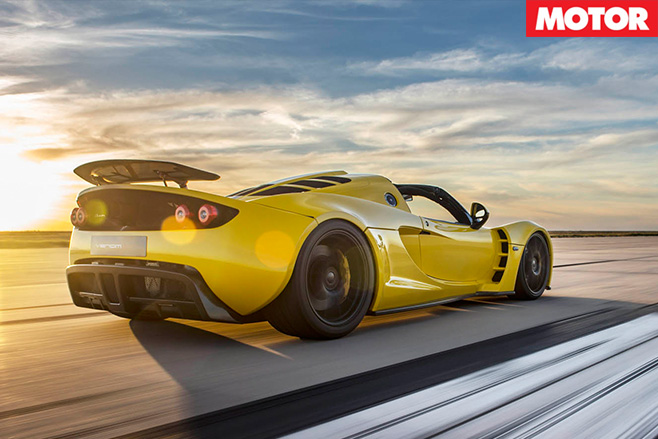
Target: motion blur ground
[(601, 385), (69, 371)]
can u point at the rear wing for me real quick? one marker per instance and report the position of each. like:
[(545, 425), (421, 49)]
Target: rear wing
[(140, 171)]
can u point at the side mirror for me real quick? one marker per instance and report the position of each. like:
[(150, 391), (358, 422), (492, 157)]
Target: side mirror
[(479, 215), (407, 197)]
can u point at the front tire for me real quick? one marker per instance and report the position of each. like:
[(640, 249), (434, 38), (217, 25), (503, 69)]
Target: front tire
[(332, 284), (534, 269)]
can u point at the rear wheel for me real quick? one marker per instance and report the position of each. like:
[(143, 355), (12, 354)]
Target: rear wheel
[(331, 286), (534, 269)]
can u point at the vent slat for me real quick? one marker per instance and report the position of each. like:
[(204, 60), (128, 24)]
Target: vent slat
[(333, 178), (278, 190), (313, 183)]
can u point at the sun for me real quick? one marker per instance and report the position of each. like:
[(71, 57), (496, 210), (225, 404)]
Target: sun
[(29, 193)]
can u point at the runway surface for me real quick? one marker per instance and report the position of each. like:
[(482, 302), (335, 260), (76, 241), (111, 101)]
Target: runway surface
[(78, 372)]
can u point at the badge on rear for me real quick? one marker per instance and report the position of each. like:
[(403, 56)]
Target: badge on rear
[(118, 246)]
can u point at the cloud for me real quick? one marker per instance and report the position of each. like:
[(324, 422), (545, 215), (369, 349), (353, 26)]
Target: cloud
[(38, 34), (510, 144), (573, 55), (618, 57), (41, 154), (459, 60), (457, 115)]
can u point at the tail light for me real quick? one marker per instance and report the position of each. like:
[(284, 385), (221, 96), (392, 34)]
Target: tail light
[(207, 213), (182, 213), (78, 217)]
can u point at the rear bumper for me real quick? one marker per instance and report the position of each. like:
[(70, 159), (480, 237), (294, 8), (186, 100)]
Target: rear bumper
[(176, 291)]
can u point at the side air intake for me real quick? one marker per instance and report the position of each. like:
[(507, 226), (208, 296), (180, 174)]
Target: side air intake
[(502, 256)]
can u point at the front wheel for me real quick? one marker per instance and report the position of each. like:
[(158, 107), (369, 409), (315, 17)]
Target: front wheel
[(534, 269), (331, 287)]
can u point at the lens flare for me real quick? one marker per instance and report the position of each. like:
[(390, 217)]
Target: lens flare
[(96, 212), (178, 232), (275, 249)]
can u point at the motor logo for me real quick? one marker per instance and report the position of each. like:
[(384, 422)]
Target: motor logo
[(592, 18)]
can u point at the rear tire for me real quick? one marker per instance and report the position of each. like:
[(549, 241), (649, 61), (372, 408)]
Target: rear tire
[(331, 287), (534, 269)]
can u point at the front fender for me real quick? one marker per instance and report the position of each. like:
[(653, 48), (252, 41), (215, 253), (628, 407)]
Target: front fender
[(519, 233)]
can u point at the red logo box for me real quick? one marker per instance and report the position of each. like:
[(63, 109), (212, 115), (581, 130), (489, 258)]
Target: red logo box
[(591, 18)]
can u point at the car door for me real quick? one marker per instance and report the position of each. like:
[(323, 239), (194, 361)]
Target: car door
[(455, 252)]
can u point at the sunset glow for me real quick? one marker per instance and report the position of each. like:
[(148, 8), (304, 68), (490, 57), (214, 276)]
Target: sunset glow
[(32, 194), (564, 130)]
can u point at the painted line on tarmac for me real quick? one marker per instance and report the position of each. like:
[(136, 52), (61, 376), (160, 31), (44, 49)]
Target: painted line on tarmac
[(36, 306), (54, 318), (604, 261), (63, 402), (10, 287)]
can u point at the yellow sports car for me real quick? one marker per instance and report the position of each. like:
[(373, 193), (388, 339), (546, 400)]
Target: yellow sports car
[(310, 254)]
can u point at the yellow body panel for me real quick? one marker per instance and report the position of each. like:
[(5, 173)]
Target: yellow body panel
[(246, 262), (455, 252), (249, 261)]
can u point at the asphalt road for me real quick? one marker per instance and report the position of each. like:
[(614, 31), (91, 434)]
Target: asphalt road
[(71, 371)]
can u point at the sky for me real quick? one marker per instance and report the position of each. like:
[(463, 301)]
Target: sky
[(561, 131)]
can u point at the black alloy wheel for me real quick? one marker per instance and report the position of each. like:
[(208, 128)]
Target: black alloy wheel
[(331, 287), (534, 269)]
